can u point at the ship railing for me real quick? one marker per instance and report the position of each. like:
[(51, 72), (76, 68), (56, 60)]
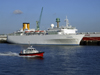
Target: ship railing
[(14, 34), (88, 33)]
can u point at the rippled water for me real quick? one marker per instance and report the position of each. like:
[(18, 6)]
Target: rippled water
[(57, 60)]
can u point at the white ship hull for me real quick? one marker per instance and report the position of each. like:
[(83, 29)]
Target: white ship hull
[(72, 39)]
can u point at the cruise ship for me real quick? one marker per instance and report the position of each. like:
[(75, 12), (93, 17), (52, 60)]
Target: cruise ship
[(64, 35)]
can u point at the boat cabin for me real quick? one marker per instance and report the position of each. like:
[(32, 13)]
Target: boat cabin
[(30, 50)]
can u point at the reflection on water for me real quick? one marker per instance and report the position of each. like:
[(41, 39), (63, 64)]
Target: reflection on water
[(33, 58)]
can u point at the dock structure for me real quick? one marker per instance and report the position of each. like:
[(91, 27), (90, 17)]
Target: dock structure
[(91, 38), (90, 42), (3, 38)]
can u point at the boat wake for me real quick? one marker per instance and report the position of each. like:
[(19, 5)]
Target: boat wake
[(9, 54)]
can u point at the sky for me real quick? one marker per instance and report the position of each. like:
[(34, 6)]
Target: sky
[(82, 14)]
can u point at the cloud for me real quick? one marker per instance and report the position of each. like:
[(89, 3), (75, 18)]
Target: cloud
[(17, 12)]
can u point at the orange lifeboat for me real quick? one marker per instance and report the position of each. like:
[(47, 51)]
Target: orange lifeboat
[(27, 31), (37, 31), (32, 31), (42, 31)]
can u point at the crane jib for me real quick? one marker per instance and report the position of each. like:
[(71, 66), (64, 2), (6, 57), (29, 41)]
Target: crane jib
[(38, 22)]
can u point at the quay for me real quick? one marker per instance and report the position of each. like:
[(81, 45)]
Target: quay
[(91, 38), (3, 38), (90, 42)]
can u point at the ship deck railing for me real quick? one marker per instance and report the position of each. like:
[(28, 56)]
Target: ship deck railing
[(88, 33)]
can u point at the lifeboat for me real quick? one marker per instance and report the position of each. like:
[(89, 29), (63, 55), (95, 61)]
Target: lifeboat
[(37, 31), (32, 31), (27, 31), (42, 31)]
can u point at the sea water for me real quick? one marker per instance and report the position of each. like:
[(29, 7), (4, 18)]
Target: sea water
[(57, 60)]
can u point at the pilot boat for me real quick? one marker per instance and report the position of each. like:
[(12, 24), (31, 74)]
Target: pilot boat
[(31, 52)]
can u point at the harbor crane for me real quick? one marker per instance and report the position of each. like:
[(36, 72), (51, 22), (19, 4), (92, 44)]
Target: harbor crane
[(38, 22)]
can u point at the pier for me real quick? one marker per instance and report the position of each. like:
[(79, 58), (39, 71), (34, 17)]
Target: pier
[(90, 42), (3, 38), (91, 38)]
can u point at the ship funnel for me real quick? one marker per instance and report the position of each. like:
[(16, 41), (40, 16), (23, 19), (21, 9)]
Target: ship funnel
[(57, 20), (26, 26)]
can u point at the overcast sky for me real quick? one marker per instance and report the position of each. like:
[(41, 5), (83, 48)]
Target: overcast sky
[(82, 14)]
